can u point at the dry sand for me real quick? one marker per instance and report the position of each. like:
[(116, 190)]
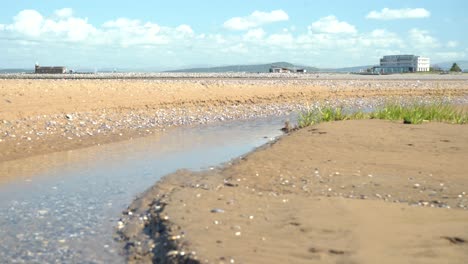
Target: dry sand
[(364, 191), (26, 98), (41, 116)]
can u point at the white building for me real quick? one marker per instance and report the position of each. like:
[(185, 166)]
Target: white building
[(403, 63), (277, 69)]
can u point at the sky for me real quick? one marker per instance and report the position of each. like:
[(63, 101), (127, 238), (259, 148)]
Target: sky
[(162, 35)]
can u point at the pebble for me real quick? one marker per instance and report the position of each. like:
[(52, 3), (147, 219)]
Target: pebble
[(176, 237), (217, 210), (172, 253)]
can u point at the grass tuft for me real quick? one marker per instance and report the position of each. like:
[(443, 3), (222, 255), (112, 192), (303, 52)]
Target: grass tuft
[(319, 115), (409, 114)]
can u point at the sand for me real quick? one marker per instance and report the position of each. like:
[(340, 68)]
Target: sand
[(24, 98), (39, 116), (365, 191)]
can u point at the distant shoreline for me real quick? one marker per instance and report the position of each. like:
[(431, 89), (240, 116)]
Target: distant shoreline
[(232, 75)]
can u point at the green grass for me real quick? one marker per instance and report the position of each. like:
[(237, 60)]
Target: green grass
[(408, 114), (320, 115)]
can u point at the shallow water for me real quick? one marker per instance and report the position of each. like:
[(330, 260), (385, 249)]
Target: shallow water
[(63, 207)]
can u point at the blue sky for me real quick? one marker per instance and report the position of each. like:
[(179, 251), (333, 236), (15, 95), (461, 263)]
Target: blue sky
[(172, 34)]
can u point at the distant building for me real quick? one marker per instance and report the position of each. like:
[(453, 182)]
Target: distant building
[(276, 69), (402, 64), (50, 70)]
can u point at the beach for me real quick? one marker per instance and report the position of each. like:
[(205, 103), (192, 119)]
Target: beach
[(50, 114), (361, 191), (354, 191)]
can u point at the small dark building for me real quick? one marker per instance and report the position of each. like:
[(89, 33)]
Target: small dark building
[(50, 70), (277, 69)]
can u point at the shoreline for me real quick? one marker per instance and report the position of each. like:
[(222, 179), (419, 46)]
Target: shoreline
[(44, 116), (253, 202), (230, 75)]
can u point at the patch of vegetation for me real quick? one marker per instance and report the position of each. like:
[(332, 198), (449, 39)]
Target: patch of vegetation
[(409, 114), (455, 68), (319, 115)]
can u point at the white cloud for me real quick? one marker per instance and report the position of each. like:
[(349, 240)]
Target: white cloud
[(185, 29), (64, 12), (129, 32), (75, 29), (452, 44), (284, 40), (256, 19), (2, 27), (422, 39), (63, 26), (405, 13), (446, 55), (330, 24), (381, 38), (254, 34), (31, 23), (123, 24), (217, 39), (237, 48), (27, 22)]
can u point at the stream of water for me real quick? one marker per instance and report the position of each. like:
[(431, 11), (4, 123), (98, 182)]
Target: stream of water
[(63, 207)]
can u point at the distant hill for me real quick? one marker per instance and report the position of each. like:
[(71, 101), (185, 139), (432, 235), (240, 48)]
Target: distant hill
[(463, 64), (247, 68), (16, 70), (348, 69)]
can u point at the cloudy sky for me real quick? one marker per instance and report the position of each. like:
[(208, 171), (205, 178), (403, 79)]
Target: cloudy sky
[(159, 35)]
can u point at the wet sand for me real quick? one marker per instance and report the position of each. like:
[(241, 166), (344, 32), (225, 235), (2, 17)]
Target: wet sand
[(39, 116), (365, 191)]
